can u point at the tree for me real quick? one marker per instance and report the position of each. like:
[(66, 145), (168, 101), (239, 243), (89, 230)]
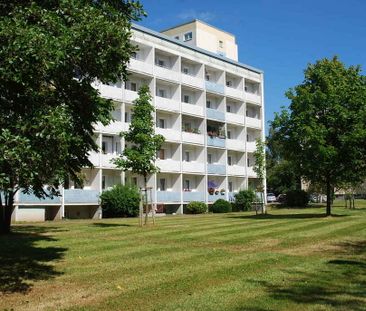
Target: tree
[(51, 52), (323, 131), (140, 155), (260, 169)]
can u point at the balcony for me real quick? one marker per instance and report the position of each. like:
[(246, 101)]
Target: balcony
[(130, 96), (25, 198), (193, 138), (169, 134), (81, 196), (111, 91), (193, 167), (253, 98), (235, 144), (166, 73), (192, 81), (215, 114), (166, 104), (215, 197), (168, 196), (232, 92), (214, 87), (193, 196), (216, 142), (168, 165), (253, 122), (236, 170), (192, 109), (217, 169), (250, 172), (105, 160), (94, 158), (140, 66), (234, 118), (231, 196), (113, 127), (251, 146)]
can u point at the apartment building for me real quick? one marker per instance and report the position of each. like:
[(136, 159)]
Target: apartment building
[(209, 108)]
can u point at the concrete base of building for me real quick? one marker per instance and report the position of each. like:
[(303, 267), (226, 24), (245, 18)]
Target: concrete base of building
[(36, 213), (83, 212)]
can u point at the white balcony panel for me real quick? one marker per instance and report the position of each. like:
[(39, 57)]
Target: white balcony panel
[(193, 81), (253, 122), (169, 134), (253, 98), (166, 74), (105, 160), (137, 65), (110, 91), (168, 165), (251, 146), (236, 170), (130, 96), (193, 167), (113, 127), (94, 158), (167, 104), (235, 144), (234, 118), (251, 173), (193, 138), (193, 109), (230, 91)]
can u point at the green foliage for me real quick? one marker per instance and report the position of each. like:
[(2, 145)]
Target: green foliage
[(260, 162), (140, 156), (50, 54), (323, 133), (120, 201), (296, 198), (244, 200), (196, 207), (221, 206)]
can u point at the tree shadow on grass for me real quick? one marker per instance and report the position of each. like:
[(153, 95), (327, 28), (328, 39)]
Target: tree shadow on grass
[(106, 225), (340, 284), (285, 216), (23, 262)]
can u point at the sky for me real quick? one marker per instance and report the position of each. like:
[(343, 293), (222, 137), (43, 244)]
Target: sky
[(280, 37)]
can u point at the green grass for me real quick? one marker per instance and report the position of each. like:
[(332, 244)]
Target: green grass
[(287, 260)]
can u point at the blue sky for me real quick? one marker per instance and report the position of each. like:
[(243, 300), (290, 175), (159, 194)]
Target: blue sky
[(280, 37)]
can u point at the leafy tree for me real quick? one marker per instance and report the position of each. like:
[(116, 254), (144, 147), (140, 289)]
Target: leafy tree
[(140, 155), (51, 52), (260, 168), (221, 206), (324, 130), (244, 200), (196, 207)]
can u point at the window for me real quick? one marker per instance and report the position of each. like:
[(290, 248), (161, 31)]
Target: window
[(230, 186), (103, 182), (209, 158), (186, 156), (229, 134), (247, 113), (162, 123), (161, 93), (186, 99), (134, 181), (133, 86), (161, 63), (104, 147), (187, 184), (221, 44), (208, 104), (161, 154), (162, 184), (229, 161), (126, 117), (207, 76), (185, 70), (229, 83), (188, 36), (117, 146), (248, 162), (246, 88), (228, 108)]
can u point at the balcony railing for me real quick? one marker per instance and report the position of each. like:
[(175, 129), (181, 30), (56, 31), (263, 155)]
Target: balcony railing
[(192, 80), (168, 165), (251, 146), (113, 127), (168, 196), (193, 109), (130, 96), (106, 160), (193, 138), (217, 169), (215, 114), (25, 198), (215, 197), (235, 144), (253, 98), (253, 122), (81, 196), (214, 87), (216, 141), (169, 134), (111, 91), (167, 104), (234, 118), (233, 92), (193, 167), (193, 196), (250, 172), (236, 170), (166, 73), (141, 66)]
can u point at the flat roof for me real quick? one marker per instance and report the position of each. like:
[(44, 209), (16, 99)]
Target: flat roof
[(197, 20), (193, 48)]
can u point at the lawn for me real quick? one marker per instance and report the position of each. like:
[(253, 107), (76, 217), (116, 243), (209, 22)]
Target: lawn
[(287, 260)]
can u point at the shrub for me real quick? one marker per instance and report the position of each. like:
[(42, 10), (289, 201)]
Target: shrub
[(221, 206), (196, 207), (120, 201), (296, 198), (244, 200)]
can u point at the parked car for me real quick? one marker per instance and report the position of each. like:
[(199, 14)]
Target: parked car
[(281, 198), (271, 197)]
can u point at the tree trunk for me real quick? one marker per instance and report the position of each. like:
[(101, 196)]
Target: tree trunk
[(329, 199), (146, 205), (6, 209)]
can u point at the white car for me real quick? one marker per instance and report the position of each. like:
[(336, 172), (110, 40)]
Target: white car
[(271, 197)]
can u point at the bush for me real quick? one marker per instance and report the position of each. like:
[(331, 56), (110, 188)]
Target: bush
[(244, 200), (296, 198), (120, 201), (221, 206), (196, 207)]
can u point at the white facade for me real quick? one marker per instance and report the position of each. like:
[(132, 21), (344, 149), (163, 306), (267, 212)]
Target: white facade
[(210, 111)]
